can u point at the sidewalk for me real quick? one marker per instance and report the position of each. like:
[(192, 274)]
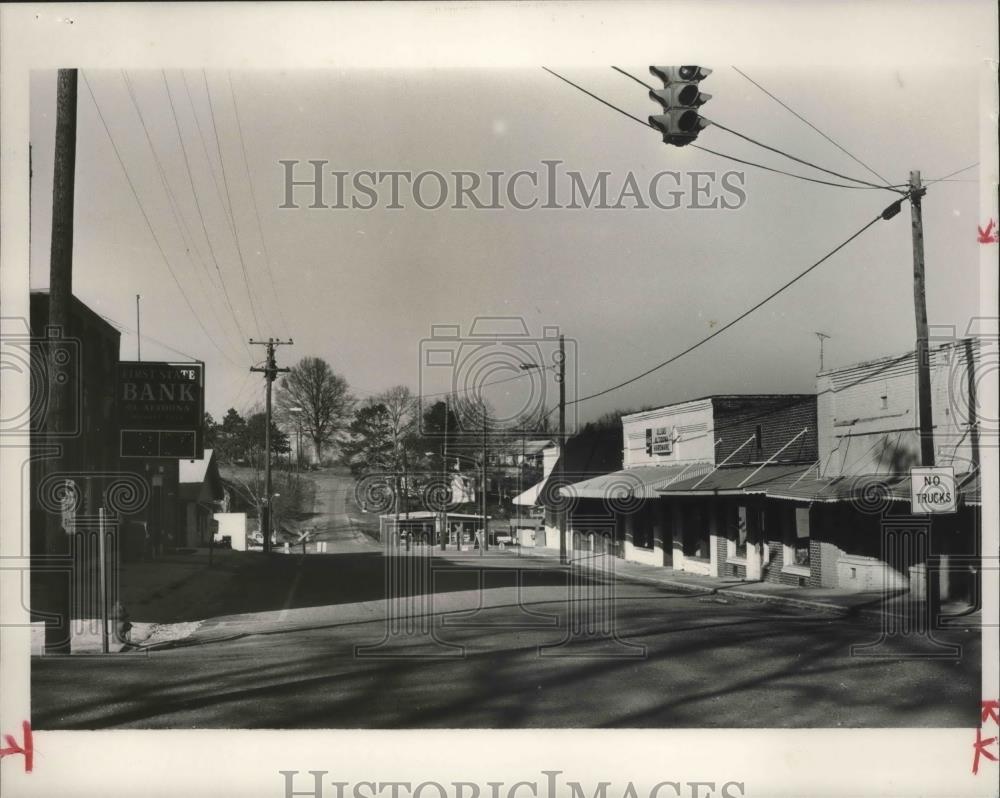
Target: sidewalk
[(872, 605)]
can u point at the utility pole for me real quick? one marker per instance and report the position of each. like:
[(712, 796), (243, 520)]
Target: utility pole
[(484, 545), (138, 331), (561, 379), (270, 371), (447, 485), (60, 410), (917, 191)]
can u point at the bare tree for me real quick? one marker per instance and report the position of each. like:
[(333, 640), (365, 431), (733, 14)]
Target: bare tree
[(401, 409), (537, 421), (323, 398)]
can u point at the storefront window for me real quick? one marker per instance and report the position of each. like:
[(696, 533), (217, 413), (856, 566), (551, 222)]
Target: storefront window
[(696, 537), (739, 533), (800, 543)]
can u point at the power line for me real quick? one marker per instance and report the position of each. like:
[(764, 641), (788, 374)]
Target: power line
[(145, 216), (204, 144), (201, 216), (229, 200), (772, 149), (810, 124), (731, 323), (256, 210), (644, 123), (745, 137), (484, 385), (780, 171), (952, 174), (172, 201), (126, 329)]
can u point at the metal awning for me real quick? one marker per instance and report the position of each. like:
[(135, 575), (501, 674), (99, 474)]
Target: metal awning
[(861, 488), (529, 498), (643, 482), (737, 480)]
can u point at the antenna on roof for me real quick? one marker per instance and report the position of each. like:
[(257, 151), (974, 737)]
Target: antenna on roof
[(822, 337)]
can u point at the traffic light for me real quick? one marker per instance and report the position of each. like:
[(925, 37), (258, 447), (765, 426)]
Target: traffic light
[(680, 97)]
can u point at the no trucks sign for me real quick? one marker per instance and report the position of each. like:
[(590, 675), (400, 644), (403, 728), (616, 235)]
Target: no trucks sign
[(932, 490), (161, 409)]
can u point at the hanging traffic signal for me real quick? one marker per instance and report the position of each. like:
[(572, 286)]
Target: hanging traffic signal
[(680, 97)]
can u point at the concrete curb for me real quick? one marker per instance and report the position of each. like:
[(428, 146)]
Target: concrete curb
[(866, 613)]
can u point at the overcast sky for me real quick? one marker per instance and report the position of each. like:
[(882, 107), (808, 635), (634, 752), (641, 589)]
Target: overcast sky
[(629, 287)]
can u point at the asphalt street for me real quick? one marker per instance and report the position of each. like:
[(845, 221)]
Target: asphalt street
[(500, 642)]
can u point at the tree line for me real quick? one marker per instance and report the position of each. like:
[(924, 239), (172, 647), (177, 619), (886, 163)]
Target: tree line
[(389, 433)]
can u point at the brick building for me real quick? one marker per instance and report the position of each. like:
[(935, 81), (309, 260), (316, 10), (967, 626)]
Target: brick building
[(859, 490), (807, 490), (693, 476)]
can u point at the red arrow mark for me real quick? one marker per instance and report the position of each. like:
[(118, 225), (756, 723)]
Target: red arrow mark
[(987, 236), (981, 747), (27, 750)]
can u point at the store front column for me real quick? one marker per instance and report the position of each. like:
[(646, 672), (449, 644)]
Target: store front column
[(756, 542), (677, 543), (714, 533)]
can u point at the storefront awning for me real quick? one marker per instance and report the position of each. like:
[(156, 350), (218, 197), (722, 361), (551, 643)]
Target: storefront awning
[(736, 480), (529, 497), (643, 482), (862, 488)]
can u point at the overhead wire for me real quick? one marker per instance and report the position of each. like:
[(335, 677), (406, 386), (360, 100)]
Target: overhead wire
[(147, 337), (472, 388), (145, 216), (952, 174), (201, 216), (256, 209), (186, 236), (644, 123), (736, 320), (775, 150), (799, 116), (229, 201)]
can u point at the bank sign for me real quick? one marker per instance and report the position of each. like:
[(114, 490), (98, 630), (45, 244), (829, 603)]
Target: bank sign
[(161, 409), (932, 490)]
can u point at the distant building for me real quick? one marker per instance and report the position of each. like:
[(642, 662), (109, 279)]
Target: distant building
[(201, 493)]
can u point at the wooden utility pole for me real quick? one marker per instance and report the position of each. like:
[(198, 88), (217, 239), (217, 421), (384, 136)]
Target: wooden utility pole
[(561, 515), (483, 544), (925, 418), (447, 485), (60, 411), (270, 371)]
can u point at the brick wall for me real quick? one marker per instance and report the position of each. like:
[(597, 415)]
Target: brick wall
[(773, 572), (781, 418), (815, 562)]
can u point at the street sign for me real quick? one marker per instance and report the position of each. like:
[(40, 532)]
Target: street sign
[(932, 490), (161, 409)]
